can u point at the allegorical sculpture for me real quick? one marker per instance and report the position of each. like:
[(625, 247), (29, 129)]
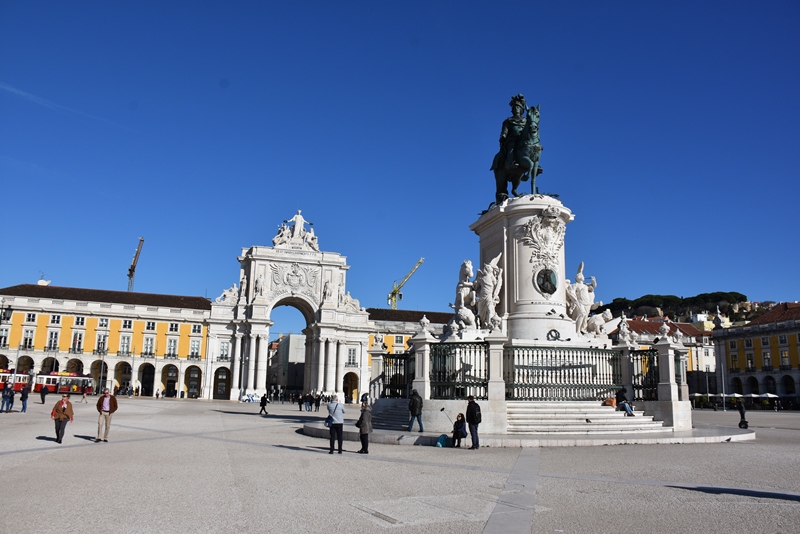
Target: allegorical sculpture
[(518, 157), (580, 300), (296, 236), (487, 286), (465, 299)]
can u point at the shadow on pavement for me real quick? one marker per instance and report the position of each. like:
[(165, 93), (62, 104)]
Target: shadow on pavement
[(743, 492)]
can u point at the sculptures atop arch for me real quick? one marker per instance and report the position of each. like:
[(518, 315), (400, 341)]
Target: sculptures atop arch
[(296, 236)]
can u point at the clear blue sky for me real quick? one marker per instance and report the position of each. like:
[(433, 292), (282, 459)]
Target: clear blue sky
[(669, 128)]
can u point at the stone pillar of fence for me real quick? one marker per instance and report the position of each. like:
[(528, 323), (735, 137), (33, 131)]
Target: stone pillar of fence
[(495, 413), (626, 367), (422, 362), (675, 413), (377, 375)]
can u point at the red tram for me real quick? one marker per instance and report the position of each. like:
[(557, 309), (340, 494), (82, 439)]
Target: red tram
[(64, 383)]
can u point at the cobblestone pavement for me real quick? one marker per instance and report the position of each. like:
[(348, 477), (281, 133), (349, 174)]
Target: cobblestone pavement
[(198, 466)]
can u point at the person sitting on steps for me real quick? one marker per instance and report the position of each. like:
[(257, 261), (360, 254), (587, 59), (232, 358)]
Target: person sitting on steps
[(622, 403)]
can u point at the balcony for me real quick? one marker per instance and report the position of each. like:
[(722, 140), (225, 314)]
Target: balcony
[(786, 367), (51, 348), (194, 356), (170, 356), (734, 370), (99, 352), (351, 364), (147, 354), (76, 350), (225, 358), (26, 346), (767, 368), (124, 352)]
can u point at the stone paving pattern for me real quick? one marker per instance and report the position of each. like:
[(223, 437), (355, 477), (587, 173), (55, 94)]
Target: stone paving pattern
[(199, 466)]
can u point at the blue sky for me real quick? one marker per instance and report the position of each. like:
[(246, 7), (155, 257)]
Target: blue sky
[(668, 128)]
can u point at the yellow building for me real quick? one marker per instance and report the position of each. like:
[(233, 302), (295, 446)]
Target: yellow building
[(763, 357), (146, 342)]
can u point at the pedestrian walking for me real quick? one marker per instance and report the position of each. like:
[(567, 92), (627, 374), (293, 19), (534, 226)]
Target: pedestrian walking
[(300, 401), (317, 402), (473, 420), (106, 406), (43, 392), (364, 425), (263, 405), (62, 414), (336, 411), (23, 396), (83, 391), (415, 407)]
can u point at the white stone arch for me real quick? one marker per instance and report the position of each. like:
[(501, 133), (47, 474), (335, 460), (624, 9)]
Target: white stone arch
[(293, 272)]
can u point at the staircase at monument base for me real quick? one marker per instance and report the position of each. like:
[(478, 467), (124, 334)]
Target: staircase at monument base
[(390, 414), (584, 418)]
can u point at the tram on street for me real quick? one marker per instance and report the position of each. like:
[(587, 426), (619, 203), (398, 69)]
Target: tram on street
[(64, 383), (19, 379)]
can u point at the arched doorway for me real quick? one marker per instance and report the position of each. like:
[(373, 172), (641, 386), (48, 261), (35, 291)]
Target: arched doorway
[(148, 374), (752, 385), (99, 371), (122, 377), (770, 386), (737, 386), (169, 377), (49, 365), (25, 364), (222, 383), (350, 387), (4, 362), (192, 380), (787, 383), (75, 366)]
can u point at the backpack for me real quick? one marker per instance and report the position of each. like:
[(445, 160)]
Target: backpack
[(442, 441)]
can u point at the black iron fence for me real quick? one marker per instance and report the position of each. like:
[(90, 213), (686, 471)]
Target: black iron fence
[(459, 370), (398, 376), (644, 374), (561, 374)]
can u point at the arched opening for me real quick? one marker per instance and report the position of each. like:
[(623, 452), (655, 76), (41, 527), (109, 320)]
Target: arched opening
[(222, 383), (350, 387), (122, 378), (787, 383), (49, 365), (99, 371), (737, 386), (75, 366), (288, 348), (752, 385), (169, 376), (148, 373), (192, 380), (25, 364), (4, 362), (770, 385)]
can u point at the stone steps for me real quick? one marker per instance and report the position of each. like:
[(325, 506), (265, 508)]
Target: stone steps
[(390, 414), (571, 418)]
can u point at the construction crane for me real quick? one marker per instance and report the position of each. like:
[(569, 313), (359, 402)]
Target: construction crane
[(132, 269), (395, 295)]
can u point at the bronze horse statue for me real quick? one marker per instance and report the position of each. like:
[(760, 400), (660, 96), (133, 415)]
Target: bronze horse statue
[(519, 162)]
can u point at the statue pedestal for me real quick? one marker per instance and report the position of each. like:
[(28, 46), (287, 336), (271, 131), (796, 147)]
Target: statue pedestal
[(529, 232)]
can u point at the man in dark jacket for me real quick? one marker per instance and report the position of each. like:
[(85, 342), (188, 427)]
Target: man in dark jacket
[(106, 406), (264, 401), (415, 407), (473, 420), (43, 392)]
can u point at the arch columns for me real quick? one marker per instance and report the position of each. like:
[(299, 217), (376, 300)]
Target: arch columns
[(261, 367), (251, 363), (235, 370)]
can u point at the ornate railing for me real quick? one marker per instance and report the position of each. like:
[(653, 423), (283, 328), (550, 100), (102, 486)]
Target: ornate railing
[(560, 374), (459, 370), (644, 374), (398, 375)]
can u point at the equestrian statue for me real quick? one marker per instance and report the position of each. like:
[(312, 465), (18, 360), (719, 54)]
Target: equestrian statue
[(518, 157)]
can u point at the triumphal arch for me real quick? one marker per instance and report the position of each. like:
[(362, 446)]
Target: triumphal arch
[(292, 272)]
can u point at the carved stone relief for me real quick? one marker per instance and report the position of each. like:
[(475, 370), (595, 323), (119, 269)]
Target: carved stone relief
[(545, 235)]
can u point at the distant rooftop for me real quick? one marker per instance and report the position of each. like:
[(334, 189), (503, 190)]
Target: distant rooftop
[(102, 295)]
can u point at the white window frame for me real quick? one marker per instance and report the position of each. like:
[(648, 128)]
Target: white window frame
[(150, 326), (352, 357), (766, 358), (31, 318), (765, 341), (224, 350), (748, 343), (102, 322), (784, 358), (149, 343), (782, 339), (27, 338), (55, 319), (732, 344), (52, 339), (80, 321), (125, 344), (127, 324), (172, 347), (173, 328), (77, 341), (197, 329), (194, 348)]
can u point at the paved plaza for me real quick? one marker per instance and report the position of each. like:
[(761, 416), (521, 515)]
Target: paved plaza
[(199, 466)]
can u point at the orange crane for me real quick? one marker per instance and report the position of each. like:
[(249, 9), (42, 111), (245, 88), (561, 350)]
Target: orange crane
[(395, 295), (132, 268)]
